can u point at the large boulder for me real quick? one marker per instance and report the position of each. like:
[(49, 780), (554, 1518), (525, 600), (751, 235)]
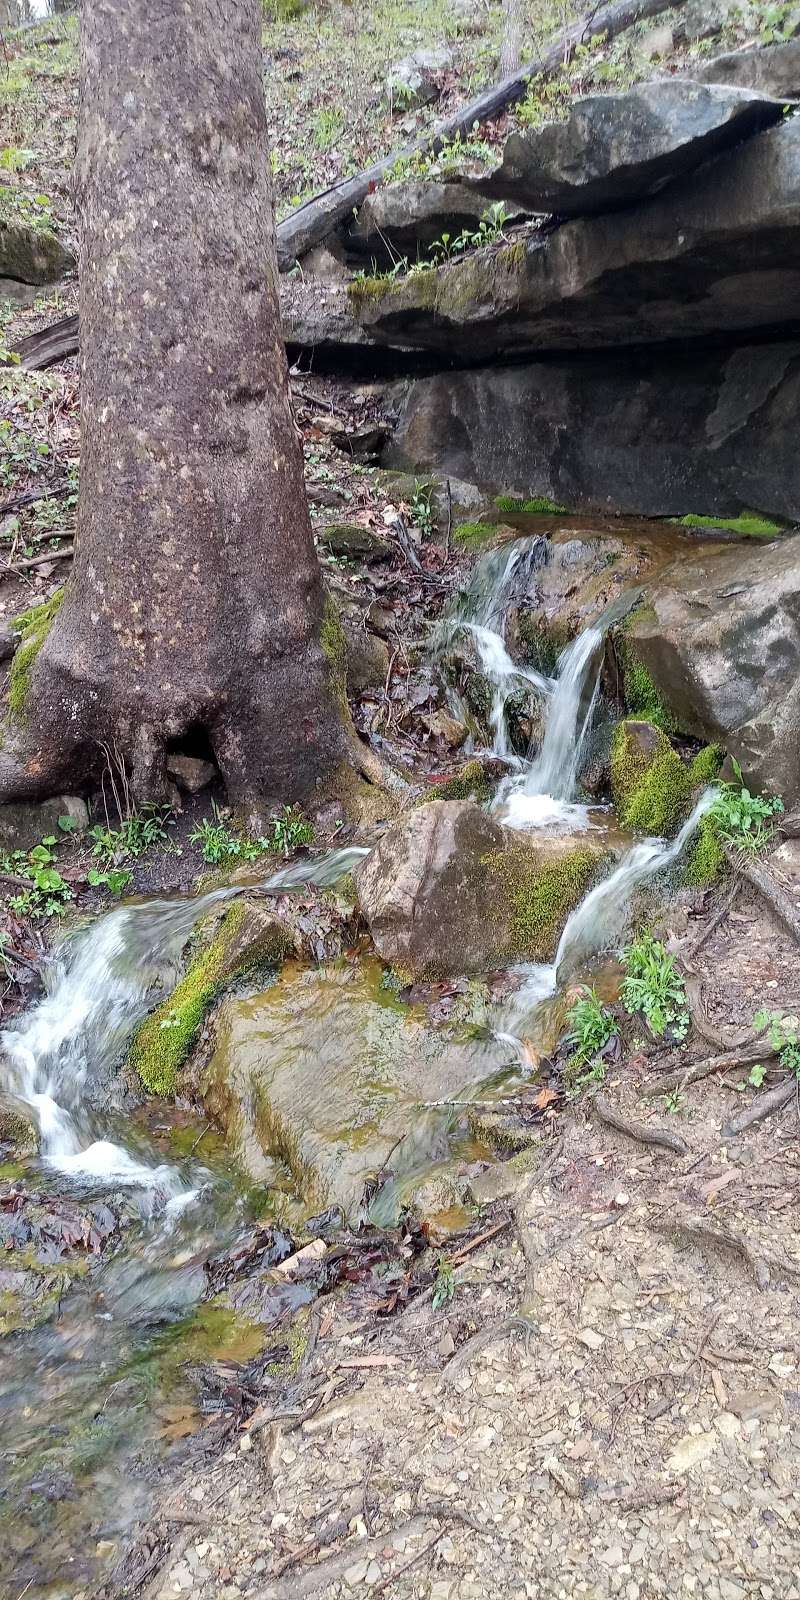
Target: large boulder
[(448, 891), (30, 254), (707, 431), (720, 638), (773, 70), (615, 148), (718, 252), (405, 219)]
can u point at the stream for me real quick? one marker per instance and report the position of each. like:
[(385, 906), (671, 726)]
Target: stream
[(90, 1399)]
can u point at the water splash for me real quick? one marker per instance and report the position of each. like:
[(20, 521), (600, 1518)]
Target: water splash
[(555, 769)]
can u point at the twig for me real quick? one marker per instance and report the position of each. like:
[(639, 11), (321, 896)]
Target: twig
[(29, 497), (39, 561), (383, 1583), (641, 1132), (763, 1106)]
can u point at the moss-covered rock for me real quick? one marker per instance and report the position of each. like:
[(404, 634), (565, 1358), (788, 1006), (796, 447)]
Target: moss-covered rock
[(31, 253), (353, 542), (706, 863), (541, 883), (471, 782), (650, 784), (642, 698), (333, 640), (247, 938), (33, 627)]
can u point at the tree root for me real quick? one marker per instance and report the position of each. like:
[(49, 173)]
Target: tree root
[(641, 1132), (765, 1104), (712, 1032), (760, 878), (744, 1055), (695, 945), (696, 1228)]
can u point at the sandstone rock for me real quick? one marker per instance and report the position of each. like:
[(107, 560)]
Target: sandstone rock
[(32, 255), (23, 823), (450, 730), (718, 252), (412, 81), (448, 891), (713, 431), (354, 542), (774, 70), (720, 638), (616, 148), (404, 219), (191, 773)]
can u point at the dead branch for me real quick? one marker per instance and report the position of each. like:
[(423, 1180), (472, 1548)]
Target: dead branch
[(764, 1105), (743, 1056), (30, 497), (640, 1132), (38, 561)]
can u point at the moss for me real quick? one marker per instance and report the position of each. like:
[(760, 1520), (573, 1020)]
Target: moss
[(642, 699), (474, 532), (651, 787), (749, 525), (361, 289), (33, 627), (333, 640), (164, 1040), (706, 764), (536, 505), (471, 783), (707, 861), (542, 894), (542, 640)]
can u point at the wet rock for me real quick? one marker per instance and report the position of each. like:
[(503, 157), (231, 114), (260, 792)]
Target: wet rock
[(32, 255), (449, 730), (414, 80), (447, 891), (649, 782), (773, 70), (617, 148), (715, 253), (367, 651), (190, 773), (712, 431), (24, 823), (720, 638), (354, 542), (404, 219), (325, 1072)]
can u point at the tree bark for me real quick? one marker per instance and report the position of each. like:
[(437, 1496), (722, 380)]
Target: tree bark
[(511, 42), (195, 609)]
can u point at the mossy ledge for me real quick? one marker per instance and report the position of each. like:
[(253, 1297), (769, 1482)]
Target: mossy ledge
[(706, 863), (471, 783), (649, 782), (642, 699), (245, 939), (542, 892), (33, 627)]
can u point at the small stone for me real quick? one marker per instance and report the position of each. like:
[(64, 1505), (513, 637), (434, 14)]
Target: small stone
[(613, 1556), (591, 1338), (356, 1574), (245, 1443), (691, 1450)]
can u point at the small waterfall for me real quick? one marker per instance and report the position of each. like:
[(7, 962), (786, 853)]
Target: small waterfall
[(100, 987), (555, 768), (506, 679), (599, 921)]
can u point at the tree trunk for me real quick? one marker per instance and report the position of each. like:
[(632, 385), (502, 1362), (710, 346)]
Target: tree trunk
[(195, 610), (511, 42)]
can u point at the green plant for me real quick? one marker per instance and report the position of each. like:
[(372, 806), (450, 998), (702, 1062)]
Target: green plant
[(218, 844), (653, 986), (674, 1102), (548, 99), (422, 508), (741, 818), (48, 893), (748, 524), (756, 1076), (328, 126), (13, 158), (591, 1024), (288, 831), (135, 834), (777, 23), (444, 1287), (491, 227), (534, 505), (783, 1034)]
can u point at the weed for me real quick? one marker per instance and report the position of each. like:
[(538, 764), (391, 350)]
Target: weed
[(328, 126), (756, 1076), (49, 893), (445, 1286), (653, 986), (674, 1102), (218, 844), (783, 1034), (422, 509), (591, 1025), (136, 834), (742, 818)]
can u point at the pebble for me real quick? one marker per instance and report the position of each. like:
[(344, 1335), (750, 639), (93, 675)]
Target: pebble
[(356, 1574)]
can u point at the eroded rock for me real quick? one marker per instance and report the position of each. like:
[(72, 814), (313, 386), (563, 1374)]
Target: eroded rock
[(616, 148), (23, 823), (773, 70), (404, 219), (414, 80), (32, 255)]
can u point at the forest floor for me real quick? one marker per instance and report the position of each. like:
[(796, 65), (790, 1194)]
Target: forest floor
[(609, 1404)]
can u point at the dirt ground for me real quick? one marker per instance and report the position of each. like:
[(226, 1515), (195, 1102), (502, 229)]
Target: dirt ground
[(635, 1432)]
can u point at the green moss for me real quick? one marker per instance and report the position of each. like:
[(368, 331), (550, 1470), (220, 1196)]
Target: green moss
[(361, 289), (471, 783), (651, 787), (542, 893), (642, 699), (707, 861), (542, 640), (164, 1040), (751, 526), (333, 640), (706, 764), (537, 505), (33, 627), (471, 533)]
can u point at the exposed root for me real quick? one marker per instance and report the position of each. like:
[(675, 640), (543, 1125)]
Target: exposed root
[(710, 926), (713, 1032), (765, 1105), (641, 1132), (743, 1056), (761, 879), (720, 1238)]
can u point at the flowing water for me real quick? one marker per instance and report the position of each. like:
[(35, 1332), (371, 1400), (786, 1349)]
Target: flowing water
[(83, 1395)]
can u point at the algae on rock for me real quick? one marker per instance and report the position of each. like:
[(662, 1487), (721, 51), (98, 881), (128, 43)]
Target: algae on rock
[(649, 782)]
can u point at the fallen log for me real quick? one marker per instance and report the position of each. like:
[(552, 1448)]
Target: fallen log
[(53, 343), (317, 217)]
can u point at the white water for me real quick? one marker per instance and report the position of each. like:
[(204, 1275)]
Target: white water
[(100, 986), (599, 921)]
